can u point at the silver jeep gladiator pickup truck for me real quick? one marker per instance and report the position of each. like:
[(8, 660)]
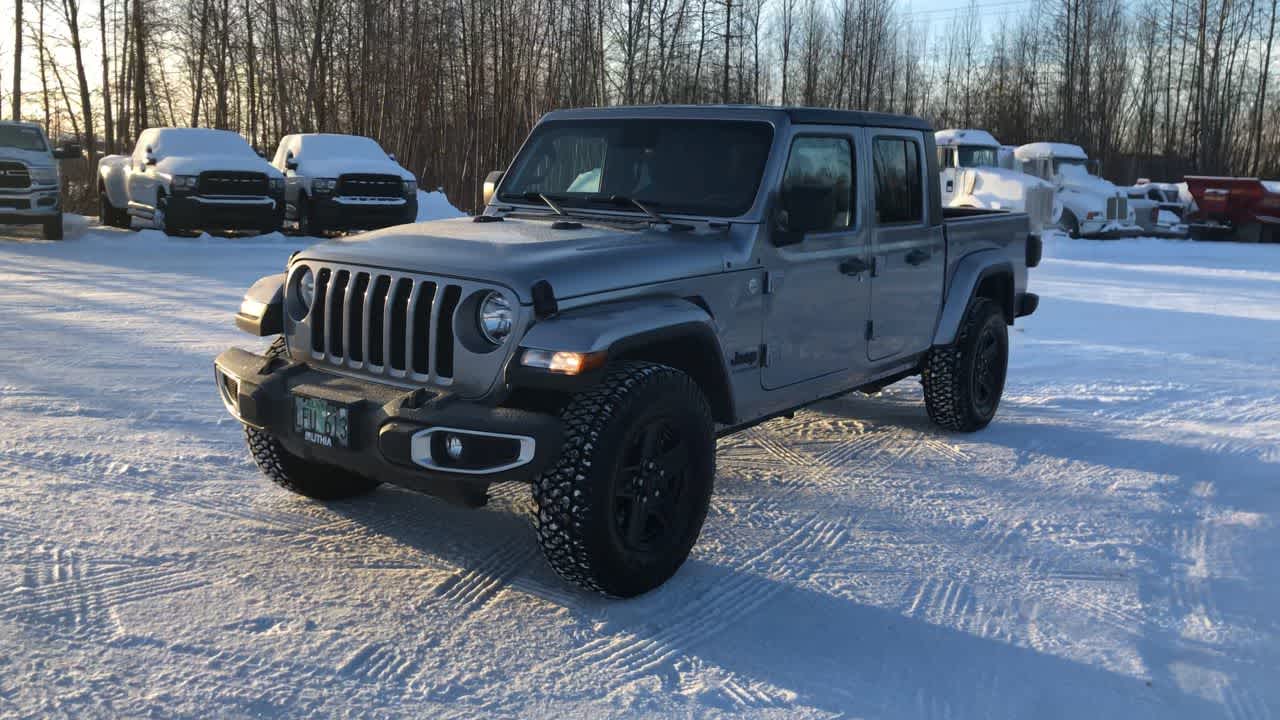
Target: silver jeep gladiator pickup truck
[(641, 282)]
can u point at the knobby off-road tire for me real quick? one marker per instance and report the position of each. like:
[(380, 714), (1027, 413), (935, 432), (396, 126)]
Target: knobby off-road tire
[(295, 474), (622, 507), (963, 381)]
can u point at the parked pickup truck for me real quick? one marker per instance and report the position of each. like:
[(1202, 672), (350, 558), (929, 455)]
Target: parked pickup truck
[(1090, 204), (1241, 209), (182, 180), (343, 182), (30, 179), (711, 268)]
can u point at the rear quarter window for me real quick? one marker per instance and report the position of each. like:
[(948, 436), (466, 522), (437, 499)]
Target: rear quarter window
[(899, 183)]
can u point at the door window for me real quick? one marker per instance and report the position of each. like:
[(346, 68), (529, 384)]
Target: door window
[(899, 186), (818, 183)]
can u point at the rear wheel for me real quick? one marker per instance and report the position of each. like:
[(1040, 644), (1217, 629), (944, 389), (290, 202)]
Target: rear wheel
[(963, 381), (620, 510), (296, 474), (52, 228)]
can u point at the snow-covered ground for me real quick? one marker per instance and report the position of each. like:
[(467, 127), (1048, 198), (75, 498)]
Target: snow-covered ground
[(1107, 548)]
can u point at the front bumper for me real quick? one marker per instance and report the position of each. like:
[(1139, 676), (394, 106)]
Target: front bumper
[(195, 212), (391, 429), (29, 206), (362, 213)]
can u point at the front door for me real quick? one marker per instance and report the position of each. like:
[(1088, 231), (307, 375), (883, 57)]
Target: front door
[(909, 252), (819, 284)]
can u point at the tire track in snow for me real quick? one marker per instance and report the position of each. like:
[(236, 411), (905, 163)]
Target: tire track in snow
[(476, 586), (379, 663), (227, 505), (627, 656)]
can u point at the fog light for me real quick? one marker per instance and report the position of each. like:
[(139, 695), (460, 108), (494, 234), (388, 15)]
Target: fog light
[(453, 446)]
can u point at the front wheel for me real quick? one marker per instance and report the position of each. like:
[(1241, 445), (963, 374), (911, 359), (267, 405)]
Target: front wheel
[(963, 381), (1070, 225), (52, 228), (306, 223), (622, 507)]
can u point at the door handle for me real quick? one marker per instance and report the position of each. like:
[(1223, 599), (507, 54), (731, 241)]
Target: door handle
[(917, 256), (854, 266)]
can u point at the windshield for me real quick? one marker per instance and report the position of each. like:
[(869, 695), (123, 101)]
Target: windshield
[(1059, 163), (323, 146), (693, 167), (978, 156), (22, 138), (172, 142)]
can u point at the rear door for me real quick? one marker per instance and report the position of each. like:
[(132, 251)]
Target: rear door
[(817, 297), (909, 253)]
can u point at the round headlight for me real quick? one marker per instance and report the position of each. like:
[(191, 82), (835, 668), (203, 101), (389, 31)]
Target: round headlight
[(496, 318), (304, 293)]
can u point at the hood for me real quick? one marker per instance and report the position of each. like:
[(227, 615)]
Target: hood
[(518, 253), (196, 164), (1010, 184), (1077, 179), (332, 167), (33, 158)]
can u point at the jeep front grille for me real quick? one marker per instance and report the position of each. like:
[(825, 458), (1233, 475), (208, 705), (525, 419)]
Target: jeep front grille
[(365, 185), (14, 176), (384, 324), (222, 182)]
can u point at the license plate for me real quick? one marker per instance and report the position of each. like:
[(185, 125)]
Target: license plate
[(322, 422)]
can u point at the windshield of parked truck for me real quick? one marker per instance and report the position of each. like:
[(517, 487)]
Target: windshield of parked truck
[(691, 167), (1060, 163), (978, 156), (329, 146), (185, 142), (22, 138)]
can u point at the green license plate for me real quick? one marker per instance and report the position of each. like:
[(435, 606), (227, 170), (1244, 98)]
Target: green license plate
[(322, 422)]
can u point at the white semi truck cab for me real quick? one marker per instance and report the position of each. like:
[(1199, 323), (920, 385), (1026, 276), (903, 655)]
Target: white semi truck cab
[(1090, 204), (972, 175)]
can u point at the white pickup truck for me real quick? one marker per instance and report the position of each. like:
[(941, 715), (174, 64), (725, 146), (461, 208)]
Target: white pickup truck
[(182, 180), (30, 180), (1090, 205), (972, 177), (343, 182)]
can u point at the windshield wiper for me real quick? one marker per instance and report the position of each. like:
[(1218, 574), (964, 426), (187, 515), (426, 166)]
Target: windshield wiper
[(643, 207), (551, 202)]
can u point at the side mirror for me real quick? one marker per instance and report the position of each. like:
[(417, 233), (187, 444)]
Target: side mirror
[(290, 163), (151, 158), (802, 209), (68, 151), (262, 154), (491, 182), (393, 157)]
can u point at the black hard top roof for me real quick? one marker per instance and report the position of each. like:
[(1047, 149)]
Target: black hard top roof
[(796, 115)]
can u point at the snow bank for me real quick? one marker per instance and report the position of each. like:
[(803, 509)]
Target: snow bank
[(435, 205)]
